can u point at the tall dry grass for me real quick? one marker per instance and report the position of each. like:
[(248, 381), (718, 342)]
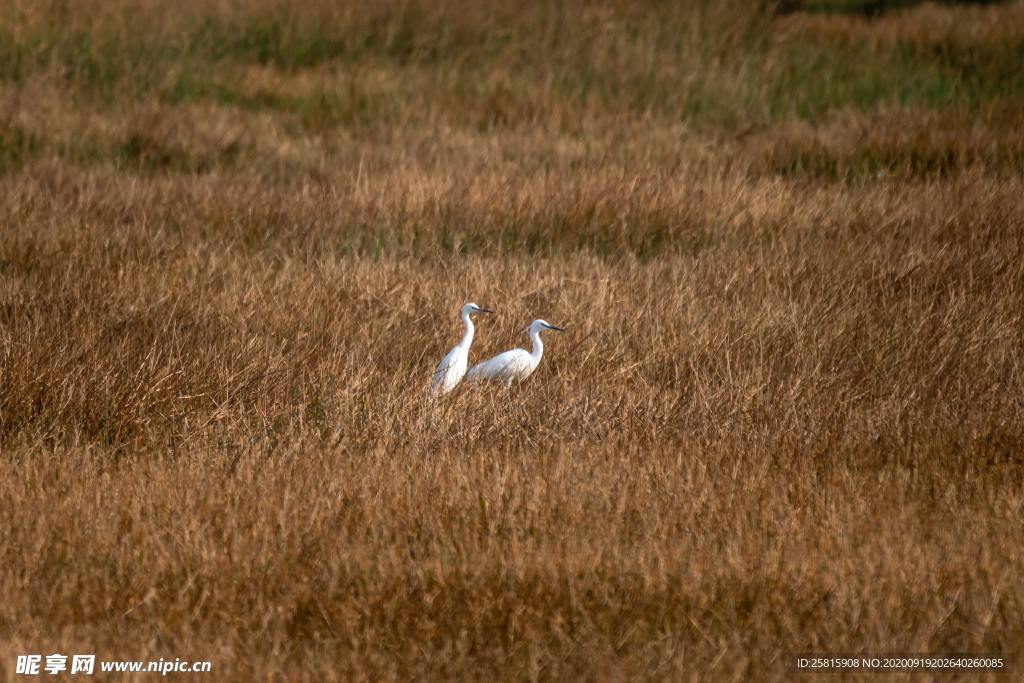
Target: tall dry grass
[(787, 414)]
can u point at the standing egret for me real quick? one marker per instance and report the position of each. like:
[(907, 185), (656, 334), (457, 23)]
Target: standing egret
[(514, 365), (452, 367)]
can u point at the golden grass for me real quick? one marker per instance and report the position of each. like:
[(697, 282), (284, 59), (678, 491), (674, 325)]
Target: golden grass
[(787, 414)]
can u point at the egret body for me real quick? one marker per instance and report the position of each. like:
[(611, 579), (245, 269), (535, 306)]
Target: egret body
[(515, 365), (452, 367)]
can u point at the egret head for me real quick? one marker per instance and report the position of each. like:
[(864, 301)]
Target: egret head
[(473, 308), (541, 325)]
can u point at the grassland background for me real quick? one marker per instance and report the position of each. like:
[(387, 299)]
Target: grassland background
[(787, 416)]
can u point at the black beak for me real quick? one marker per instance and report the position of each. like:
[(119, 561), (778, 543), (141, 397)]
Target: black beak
[(556, 328), (483, 310)]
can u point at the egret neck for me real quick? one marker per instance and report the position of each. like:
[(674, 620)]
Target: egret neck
[(467, 338), (538, 345)]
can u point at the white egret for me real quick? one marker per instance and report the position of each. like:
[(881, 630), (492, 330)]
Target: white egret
[(515, 365), (452, 367)]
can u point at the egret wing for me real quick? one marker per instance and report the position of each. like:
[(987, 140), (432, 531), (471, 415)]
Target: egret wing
[(437, 383), (503, 367)]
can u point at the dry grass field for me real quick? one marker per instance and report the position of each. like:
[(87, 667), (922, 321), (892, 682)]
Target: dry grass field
[(787, 415)]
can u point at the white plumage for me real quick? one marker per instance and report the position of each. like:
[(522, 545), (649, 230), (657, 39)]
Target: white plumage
[(452, 367), (515, 365)]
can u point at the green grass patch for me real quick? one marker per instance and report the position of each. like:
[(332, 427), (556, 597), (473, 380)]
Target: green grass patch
[(16, 148), (477, 70)]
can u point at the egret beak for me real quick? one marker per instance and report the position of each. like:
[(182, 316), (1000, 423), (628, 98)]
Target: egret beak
[(555, 328), (483, 310)]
